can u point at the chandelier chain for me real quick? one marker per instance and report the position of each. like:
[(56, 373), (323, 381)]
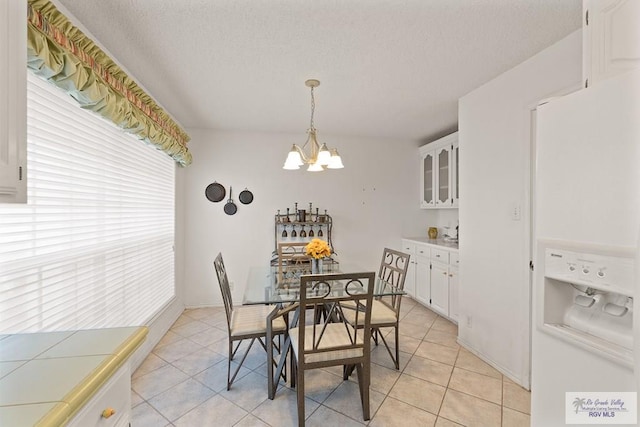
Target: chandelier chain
[(313, 108)]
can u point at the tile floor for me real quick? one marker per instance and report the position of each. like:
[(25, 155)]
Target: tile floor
[(183, 382)]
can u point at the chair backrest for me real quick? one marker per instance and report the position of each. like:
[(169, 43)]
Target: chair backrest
[(225, 289), (328, 293), (393, 271), (293, 262)]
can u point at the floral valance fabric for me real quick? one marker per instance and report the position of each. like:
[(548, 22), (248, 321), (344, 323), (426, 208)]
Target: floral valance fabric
[(63, 55)]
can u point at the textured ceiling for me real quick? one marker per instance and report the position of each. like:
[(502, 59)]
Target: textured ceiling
[(388, 68)]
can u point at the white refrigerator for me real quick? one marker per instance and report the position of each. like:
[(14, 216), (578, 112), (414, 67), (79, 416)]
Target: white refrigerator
[(585, 329)]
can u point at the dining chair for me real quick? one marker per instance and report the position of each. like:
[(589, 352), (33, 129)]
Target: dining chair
[(246, 322), (293, 262), (385, 312), (333, 341)]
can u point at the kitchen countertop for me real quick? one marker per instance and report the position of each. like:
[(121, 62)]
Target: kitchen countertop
[(435, 242), (45, 378)]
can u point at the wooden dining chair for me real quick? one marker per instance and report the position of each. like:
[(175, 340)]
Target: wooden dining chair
[(247, 322), (333, 341), (385, 312)]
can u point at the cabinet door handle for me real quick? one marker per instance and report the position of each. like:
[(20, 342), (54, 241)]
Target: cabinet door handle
[(108, 412), (437, 256), (450, 275), (445, 273)]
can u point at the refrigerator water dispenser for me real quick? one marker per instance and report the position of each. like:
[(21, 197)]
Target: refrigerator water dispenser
[(588, 301)]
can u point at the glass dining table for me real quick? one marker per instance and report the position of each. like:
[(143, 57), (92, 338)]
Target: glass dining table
[(262, 287)]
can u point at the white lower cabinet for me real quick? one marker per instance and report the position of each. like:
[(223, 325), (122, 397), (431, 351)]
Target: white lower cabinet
[(432, 277), (110, 406), (453, 292), (423, 279), (440, 287)]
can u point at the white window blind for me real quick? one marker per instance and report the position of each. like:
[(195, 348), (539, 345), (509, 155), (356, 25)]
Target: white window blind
[(93, 247)]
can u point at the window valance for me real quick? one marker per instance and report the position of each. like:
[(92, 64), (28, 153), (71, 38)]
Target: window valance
[(62, 54)]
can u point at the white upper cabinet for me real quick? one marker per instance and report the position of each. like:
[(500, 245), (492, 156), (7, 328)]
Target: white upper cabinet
[(439, 173), (13, 101), (611, 38)]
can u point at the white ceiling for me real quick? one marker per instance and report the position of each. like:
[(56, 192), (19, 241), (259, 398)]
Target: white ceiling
[(388, 68)]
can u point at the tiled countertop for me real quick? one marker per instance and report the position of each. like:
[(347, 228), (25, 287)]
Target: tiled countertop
[(45, 378), (436, 242)]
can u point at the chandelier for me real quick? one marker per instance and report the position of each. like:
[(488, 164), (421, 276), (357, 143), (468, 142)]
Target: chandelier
[(319, 157)]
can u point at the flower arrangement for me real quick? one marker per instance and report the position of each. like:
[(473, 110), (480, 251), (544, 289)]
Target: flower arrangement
[(318, 249)]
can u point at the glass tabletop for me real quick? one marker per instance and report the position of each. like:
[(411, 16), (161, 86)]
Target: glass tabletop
[(262, 286)]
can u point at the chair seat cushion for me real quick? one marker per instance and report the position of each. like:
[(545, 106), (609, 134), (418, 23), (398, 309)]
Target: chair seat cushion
[(335, 335), (252, 319), (381, 314)]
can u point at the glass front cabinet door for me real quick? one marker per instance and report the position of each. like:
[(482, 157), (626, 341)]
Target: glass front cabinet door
[(428, 180), (439, 186)]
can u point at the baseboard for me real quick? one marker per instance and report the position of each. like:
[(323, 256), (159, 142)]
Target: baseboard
[(158, 327), (506, 372)]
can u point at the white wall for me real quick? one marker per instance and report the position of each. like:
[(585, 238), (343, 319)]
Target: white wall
[(494, 126), (374, 201)]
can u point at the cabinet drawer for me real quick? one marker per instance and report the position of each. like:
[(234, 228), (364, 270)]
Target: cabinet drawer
[(423, 250), (116, 394), (454, 259), (440, 255), (408, 248)]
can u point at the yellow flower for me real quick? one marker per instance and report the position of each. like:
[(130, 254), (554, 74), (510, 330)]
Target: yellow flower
[(318, 248)]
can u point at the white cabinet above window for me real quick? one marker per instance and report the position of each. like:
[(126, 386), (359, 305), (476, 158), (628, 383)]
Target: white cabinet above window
[(439, 186), (13, 101)]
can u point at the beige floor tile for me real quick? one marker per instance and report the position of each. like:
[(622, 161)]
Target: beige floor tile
[(169, 338), (419, 393), (413, 331), (394, 413), (437, 352), (407, 343), (346, 400), (190, 328), (443, 422), (471, 362), (198, 361), (382, 378), (380, 356), (324, 416), (220, 346), (319, 384), (215, 412), (136, 399), (470, 411), (151, 363), (203, 313), (511, 418), (283, 410), (443, 325), (215, 377), (516, 397), (183, 319), (180, 399), (251, 421), (429, 370), (177, 350), (208, 336), (219, 320), (478, 385), (419, 317), (248, 392), (442, 338), (145, 415), (157, 381)]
